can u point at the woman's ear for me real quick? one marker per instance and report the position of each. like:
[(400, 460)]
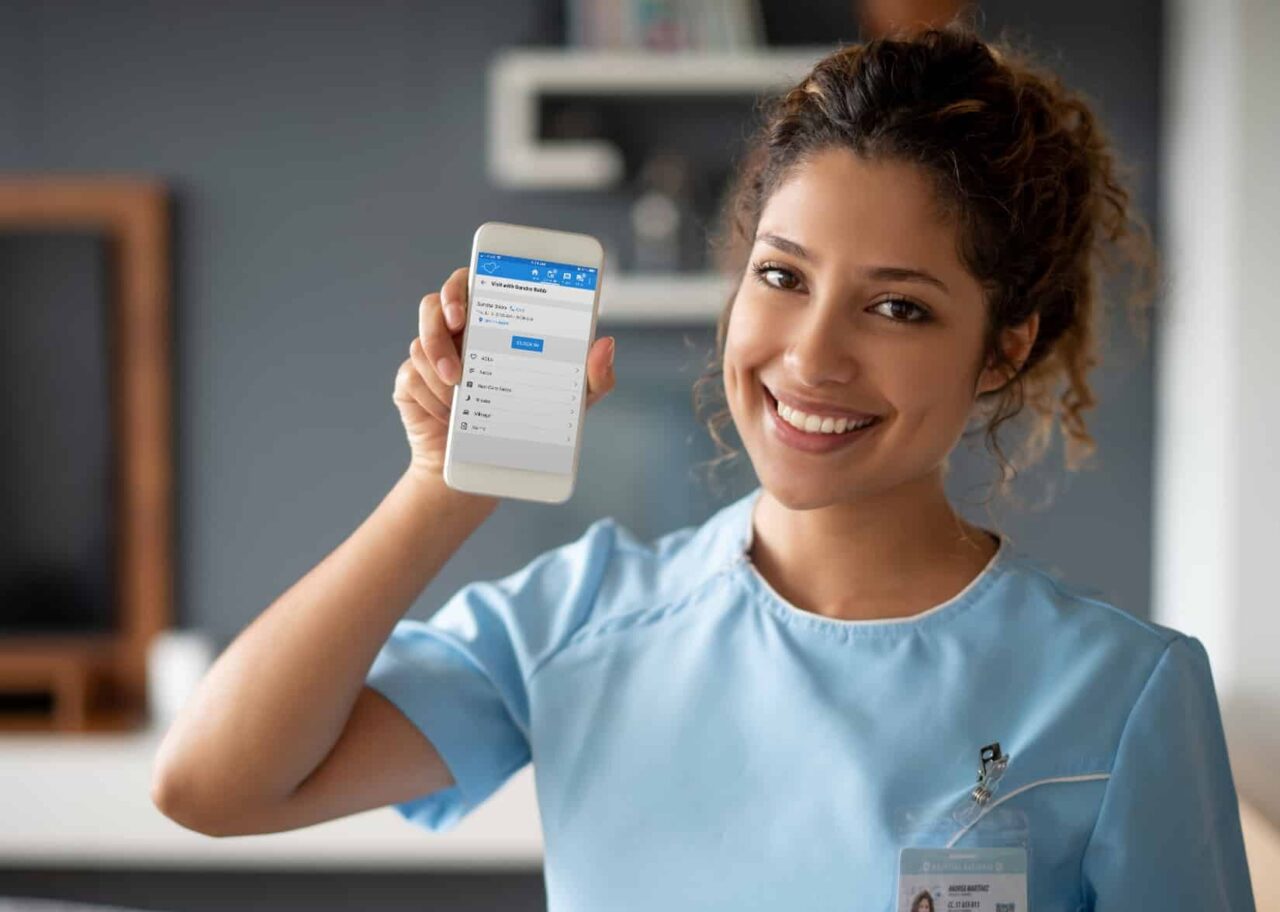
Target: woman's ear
[(1016, 342)]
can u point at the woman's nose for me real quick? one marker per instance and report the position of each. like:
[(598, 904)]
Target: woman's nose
[(821, 348)]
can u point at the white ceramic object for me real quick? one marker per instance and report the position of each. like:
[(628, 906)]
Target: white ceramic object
[(176, 661)]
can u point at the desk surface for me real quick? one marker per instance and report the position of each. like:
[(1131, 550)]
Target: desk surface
[(71, 799)]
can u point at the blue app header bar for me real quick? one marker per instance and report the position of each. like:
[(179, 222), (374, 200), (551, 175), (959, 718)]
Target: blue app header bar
[(505, 266)]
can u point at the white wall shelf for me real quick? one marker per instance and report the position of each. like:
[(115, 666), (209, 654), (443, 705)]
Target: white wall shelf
[(519, 77), (75, 800), (631, 299)]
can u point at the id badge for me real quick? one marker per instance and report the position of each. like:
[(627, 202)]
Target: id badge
[(987, 873), (962, 880)]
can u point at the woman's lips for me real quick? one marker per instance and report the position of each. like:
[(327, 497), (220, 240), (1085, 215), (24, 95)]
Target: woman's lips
[(815, 442)]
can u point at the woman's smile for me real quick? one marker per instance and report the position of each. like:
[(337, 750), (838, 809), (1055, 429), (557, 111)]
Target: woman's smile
[(816, 441)]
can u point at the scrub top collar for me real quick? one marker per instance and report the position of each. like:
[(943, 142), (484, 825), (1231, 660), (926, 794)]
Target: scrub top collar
[(742, 534)]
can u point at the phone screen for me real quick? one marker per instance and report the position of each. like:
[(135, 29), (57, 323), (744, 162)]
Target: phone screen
[(522, 373)]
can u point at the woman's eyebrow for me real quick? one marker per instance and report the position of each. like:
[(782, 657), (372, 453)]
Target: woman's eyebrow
[(886, 273)]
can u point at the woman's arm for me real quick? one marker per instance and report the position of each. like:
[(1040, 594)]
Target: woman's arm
[(275, 703), (1168, 831)]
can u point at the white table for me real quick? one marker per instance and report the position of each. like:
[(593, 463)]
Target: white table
[(69, 799)]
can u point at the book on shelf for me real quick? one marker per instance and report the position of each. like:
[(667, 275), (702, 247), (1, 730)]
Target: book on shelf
[(665, 25)]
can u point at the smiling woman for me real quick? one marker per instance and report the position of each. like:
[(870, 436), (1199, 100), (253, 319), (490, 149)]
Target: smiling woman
[(916, 239), (781, 706), (944, 183)]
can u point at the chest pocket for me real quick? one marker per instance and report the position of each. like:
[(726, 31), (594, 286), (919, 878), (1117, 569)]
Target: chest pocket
[(1054, 796), (1057, 811)]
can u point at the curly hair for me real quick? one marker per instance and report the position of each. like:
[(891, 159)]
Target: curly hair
[(1017, 162)]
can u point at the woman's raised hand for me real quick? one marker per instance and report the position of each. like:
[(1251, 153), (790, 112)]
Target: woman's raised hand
[(424, 383)]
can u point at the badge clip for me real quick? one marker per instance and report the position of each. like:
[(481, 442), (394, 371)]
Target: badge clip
[(992, 762)]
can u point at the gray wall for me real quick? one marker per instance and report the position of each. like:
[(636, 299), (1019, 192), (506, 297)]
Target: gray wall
[(327, 170), (326, 161), (327, 165)]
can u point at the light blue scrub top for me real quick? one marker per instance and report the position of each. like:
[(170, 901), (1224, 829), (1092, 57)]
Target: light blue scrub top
[(702, 744)]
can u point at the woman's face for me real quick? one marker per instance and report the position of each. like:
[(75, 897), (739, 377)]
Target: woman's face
[(834, 326)]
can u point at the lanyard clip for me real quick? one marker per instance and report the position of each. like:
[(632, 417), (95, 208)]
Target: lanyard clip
[(992, 763)]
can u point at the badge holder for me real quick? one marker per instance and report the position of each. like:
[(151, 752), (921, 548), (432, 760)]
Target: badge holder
[(975, 857)]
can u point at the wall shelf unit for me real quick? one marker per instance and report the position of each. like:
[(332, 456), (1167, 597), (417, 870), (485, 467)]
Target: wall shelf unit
[(518, 158), (646, 299), (519, 77)]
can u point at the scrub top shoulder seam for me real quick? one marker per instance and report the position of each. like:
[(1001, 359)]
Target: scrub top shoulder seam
[(664, 548), (628, 620), (463, 649), (1161, 633)]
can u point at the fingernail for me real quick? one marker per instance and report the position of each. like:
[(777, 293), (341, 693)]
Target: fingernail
[(453, 313), (444, 367), (613, 344)]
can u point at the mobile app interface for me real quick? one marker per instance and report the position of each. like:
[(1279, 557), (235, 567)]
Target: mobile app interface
[(523, 371)]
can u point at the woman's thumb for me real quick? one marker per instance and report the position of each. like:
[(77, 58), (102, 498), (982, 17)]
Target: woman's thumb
[(600, 376)]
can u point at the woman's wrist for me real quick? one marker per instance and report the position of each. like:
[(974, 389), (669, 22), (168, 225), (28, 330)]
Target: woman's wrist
[(429, 485)]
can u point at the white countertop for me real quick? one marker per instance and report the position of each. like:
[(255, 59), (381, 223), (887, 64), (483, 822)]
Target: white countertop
[(75, 800), (84, 801)]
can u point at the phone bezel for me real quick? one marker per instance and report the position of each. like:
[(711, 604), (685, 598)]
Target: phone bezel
[(535, 243)]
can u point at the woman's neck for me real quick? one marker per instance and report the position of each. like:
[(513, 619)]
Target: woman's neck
[(889, 556)]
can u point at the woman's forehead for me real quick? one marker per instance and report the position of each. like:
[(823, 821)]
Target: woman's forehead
[(837, 199), (841, 208)]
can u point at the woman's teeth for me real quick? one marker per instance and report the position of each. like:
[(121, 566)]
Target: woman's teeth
[(816, 424)]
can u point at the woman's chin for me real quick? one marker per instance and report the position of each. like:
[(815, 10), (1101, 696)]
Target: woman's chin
[(802, 491)]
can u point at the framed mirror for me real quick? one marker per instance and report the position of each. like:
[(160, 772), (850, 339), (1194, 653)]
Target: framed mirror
[(86, 467)]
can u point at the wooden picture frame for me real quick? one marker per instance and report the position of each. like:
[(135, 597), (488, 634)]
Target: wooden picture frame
[(98, 681)]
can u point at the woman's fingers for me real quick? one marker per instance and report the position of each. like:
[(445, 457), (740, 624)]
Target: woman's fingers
[(441, 317), (453, 294), (411, 395), (400, 391), (440, 395), (437, 340), (600, 373)]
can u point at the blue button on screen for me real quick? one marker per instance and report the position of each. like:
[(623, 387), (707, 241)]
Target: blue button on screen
[(527, 343)]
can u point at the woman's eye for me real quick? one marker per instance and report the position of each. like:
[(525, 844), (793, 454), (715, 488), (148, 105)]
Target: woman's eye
[(904, 311), (899, 310), (762, 270)]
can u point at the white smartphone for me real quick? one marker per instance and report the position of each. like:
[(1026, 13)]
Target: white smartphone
[(515, 428)]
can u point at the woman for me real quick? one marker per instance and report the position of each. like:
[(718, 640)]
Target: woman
[(728, 717)]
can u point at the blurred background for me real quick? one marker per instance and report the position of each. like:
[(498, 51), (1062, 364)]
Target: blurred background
[(216, 223)]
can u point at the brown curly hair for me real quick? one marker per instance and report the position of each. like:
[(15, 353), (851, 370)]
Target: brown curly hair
[(1018, 162)]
